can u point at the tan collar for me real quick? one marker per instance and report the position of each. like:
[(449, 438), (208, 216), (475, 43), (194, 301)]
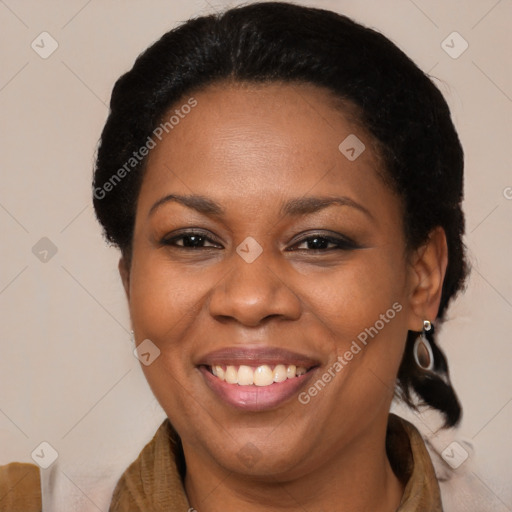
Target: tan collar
[(153, 481), (411, 462)]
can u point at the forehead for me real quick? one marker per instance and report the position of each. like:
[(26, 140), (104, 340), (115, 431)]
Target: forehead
[(254, 141)]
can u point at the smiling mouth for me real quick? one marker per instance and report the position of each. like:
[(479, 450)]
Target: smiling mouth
[(262, 375), (257, 386), (256, 378)]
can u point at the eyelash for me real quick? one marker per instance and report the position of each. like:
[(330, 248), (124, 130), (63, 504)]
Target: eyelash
[(341, 243)]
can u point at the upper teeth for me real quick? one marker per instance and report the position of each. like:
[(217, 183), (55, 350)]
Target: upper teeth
[(262, 375)]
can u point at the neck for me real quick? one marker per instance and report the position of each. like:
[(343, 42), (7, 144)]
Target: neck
[(355, 479)]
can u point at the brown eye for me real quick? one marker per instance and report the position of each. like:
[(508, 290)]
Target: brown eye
[(324, 243), (189, 240)]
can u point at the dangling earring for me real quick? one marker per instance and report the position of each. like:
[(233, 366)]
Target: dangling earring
[(132, 337), (422, 350)]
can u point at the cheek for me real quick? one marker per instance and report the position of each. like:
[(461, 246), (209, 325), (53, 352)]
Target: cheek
[(164, 302), (353, 296), (362, 306), (163, 296)]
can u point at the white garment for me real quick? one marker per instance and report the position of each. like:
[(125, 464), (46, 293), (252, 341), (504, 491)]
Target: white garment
[(464, 487)]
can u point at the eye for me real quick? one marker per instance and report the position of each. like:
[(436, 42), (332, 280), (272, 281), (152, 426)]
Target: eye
[(193, 240), (190, 240), (324, 243)]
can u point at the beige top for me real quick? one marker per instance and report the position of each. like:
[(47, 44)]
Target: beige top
[(153, 481)]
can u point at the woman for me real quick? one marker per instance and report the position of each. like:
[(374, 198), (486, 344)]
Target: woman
[(285, 188)]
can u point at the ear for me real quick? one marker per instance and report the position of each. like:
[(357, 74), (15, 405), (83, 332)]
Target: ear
[(428, 268), (124, 272)]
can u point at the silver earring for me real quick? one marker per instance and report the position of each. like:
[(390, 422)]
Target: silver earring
[(132, 337), (422, 350)]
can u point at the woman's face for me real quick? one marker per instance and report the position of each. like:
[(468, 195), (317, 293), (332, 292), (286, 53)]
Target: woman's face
[(296, 262)]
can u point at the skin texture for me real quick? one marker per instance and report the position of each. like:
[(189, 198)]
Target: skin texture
[(251, 148)]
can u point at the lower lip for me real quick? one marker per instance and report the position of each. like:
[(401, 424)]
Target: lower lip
[(255, 398)]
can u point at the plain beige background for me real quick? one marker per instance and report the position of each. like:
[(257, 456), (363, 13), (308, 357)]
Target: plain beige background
[(67, 372)]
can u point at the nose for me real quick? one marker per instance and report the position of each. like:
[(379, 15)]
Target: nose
[(252, 293)]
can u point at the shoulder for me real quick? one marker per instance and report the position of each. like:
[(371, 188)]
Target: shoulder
[(20, 488)]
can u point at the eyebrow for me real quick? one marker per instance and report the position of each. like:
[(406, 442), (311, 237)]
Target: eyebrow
[(292, 208)]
